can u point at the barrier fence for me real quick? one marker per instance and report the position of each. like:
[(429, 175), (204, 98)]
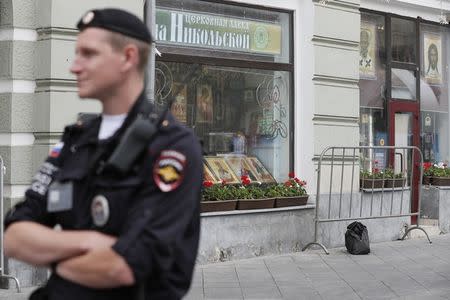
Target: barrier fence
[(2, 229), (347, 165)]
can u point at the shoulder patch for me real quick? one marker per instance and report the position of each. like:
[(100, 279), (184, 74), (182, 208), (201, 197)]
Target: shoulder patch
[(168, 171), (56, 150)]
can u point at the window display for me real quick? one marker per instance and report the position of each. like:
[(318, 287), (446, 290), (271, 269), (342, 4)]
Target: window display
[(434, 93), (227, 70), (232, 110), (372, 74)]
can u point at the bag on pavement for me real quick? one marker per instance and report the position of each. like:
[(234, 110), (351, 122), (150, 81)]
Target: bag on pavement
[(357, 239)]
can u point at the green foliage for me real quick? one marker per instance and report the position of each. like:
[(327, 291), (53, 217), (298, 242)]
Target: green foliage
[(246, 190), (375, 174), (389, 173), (218, 192)]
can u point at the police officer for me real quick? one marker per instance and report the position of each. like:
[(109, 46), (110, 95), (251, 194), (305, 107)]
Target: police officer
[(123, 234)]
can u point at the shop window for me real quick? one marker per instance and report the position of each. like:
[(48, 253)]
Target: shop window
[(372, 81), (403, 40), (228, 75), (434, 93)]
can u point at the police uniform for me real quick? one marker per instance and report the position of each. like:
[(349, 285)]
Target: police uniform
[(153, 209)]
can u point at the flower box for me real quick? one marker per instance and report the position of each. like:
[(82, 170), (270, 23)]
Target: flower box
[(440, 181), (220, 205), (394, 182), (368, 183), (256, 203), (426, 180), (291, 201)]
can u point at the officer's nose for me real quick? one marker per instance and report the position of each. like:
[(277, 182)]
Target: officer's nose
[(76, 67)]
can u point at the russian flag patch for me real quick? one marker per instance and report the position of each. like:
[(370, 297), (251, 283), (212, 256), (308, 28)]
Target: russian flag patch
[(56, 150)]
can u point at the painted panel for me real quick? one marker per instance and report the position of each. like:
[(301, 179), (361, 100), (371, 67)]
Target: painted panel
[(336, 100), (337, 24), (336, 62)]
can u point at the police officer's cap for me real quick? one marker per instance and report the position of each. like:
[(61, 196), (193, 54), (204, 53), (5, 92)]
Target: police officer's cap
[(116, 20)]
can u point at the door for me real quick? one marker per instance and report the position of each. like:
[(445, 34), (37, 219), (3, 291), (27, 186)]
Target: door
[(403, 93), (404, 131)]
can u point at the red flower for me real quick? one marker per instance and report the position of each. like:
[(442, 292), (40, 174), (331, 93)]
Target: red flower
[(244, 177), (303, 183), (375, 170), (427, 165), (291, 174), (288, 183), (246, 181), (207, 183), (297, 180)]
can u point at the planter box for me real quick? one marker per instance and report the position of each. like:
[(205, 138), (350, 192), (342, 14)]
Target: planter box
[(440, 181), (426, 180), (221, 205), (371, 183), (291, 201), (394, 182), (256, 203)]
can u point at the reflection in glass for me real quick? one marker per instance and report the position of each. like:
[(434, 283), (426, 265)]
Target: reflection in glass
[(234, 111), (434, 94), (403, 84), (403, 40), (372, 61)]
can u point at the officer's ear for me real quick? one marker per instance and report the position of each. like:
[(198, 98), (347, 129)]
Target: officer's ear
[(130, 57)]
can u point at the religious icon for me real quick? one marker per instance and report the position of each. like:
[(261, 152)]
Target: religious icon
[(204, 104), (208, 175), (260, 171), (240, 166), (221, 169), (432, 58), (179, 92), (367, 46)]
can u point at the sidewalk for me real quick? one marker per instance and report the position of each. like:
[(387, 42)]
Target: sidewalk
[(411, 269)]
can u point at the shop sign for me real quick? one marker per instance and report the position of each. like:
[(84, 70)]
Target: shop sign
[(217, 32)]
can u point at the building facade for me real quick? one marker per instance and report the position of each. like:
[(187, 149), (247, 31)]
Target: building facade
[(277, 81)]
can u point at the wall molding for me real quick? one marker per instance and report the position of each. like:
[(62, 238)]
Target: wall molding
[(328, 120), (335, 81), (56, 85), (16, 139), (329, 42), (57, 33), (340, 5), (18, 34), (17, 86)]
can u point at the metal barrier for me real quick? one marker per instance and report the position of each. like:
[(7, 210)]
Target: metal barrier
[(2, 228), (411, 159)]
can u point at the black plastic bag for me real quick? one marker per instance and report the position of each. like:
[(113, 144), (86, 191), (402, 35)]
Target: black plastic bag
[(357, 239)]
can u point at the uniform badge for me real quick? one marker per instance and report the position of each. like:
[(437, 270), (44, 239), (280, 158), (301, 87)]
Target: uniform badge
[(88, 17), (100, 210), (56, 150), (168, 171)]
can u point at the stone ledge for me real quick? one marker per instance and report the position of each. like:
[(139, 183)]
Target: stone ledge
[(257, 211)]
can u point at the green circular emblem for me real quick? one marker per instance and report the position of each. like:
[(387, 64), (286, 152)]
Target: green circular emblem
[(261, 37)]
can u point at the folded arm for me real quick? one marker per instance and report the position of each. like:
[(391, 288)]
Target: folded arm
[(100, 268), (39, 245)]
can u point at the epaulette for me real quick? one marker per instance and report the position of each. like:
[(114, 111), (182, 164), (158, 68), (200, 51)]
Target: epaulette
[(81, 124)]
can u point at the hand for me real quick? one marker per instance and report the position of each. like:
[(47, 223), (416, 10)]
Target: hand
[(96, 240)]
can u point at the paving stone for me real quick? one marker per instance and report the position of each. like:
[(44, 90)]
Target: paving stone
[(223, 293)]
